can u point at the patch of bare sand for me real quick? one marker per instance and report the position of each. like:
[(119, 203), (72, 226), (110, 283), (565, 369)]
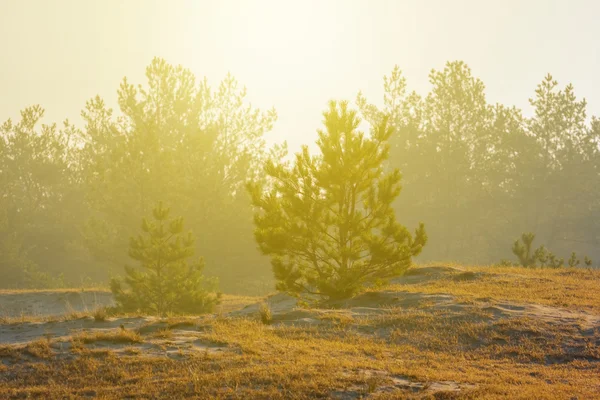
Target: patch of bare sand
[(374, 383), (52, 302), (18, 333), (117, 337)]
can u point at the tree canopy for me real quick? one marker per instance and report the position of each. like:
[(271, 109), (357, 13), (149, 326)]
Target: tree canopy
[(477, 173), (327, 220)]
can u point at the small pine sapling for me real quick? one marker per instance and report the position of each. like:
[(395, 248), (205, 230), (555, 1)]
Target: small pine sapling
[(522, 248), (164, 283), (573, 260), (541, 255), (555, 262)]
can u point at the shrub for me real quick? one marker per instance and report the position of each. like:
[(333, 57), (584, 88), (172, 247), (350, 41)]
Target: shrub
[(100, 314), (523, 249), (165, 283), (554, 262), (116, 336), (40, 348), (265, 314), (573, 260)]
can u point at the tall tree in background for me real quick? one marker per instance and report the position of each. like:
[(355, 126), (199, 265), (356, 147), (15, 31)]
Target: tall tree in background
[(179, 141), (567, 157), (327, 221), (480, 174), (435, 147), (36, 199)]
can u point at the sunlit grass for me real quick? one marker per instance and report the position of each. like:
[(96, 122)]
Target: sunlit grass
[(561, 287), (340, 353), (113, 336), (285, 361)]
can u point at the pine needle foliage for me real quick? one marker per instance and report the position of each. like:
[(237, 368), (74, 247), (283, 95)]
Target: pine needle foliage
[(573, 260), (523, 249), (327, 220), (164, 283), (528, 257)]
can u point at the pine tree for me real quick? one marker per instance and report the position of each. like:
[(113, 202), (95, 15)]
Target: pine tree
[(573, 260), (165, 283), (327, 221), (524, 251)]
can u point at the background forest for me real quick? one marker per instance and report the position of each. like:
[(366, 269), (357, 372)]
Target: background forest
[(477, 174)]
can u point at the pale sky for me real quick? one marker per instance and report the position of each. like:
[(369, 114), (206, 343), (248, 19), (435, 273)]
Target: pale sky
[(294, 55)]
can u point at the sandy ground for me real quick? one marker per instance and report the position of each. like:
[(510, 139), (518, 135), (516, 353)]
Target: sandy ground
[(52, 302), (363, 314), (284, 309)]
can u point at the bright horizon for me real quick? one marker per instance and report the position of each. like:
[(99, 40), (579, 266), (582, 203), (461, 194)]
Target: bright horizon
[(60, 54)]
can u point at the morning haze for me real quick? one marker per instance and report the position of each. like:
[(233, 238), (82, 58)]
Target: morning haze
[(292, 55), (270, 199)]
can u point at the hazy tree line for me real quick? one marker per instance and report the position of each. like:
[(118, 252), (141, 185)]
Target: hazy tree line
[(477, 174), (480, 174), (72, 197)]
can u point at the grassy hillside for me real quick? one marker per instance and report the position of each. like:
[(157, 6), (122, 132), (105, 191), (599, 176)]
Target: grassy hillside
[(438, 332)]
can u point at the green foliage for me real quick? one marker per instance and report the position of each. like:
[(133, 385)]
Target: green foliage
[(185, 143), (523, 249), (554, 261), (37, 207), (327, 220), (164, 283), (475, 172), (475, 167), (528, 257), (573, 260)]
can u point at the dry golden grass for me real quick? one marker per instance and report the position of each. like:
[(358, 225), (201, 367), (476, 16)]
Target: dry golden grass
[(132, 351), (346, 355), (229, 303), (182, 322), (575, 288), (70, 316), (113, 336), (39, 348), (60, 290), (232, 302), (284, 362), (100, 314), (165, 333), (266, 316)]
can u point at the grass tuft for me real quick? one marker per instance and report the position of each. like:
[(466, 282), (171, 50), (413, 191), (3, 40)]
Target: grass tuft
[(100, 314), (112, 336), (266, 317)]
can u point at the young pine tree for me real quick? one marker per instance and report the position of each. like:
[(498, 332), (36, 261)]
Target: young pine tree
[(165, 282), (327, 221), (523, 249)]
